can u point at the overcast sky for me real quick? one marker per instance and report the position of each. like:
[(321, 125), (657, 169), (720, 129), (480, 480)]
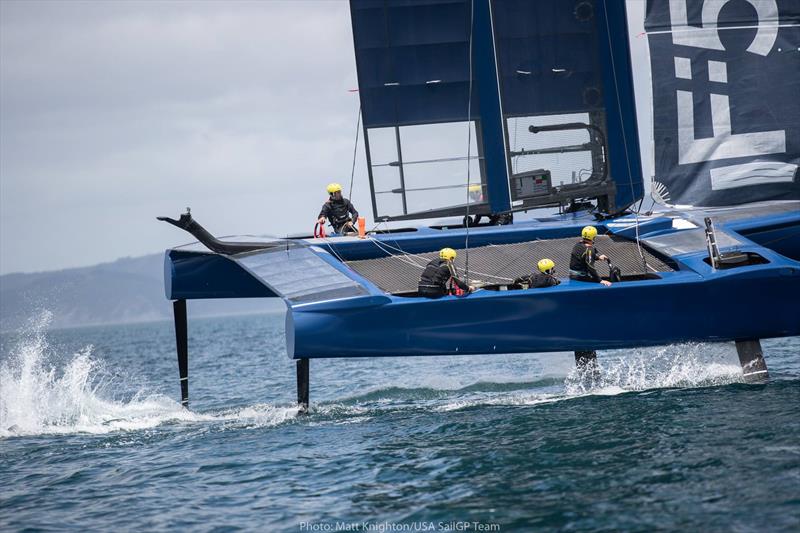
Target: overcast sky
[(113, 113)]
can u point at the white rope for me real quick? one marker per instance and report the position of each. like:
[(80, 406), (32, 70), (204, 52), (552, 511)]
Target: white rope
[(326, 240), (426, 260), (384, 246), (469, 137), (624, 136), (355, 148)]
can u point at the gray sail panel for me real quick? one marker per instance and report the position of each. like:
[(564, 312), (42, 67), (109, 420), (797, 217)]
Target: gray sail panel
[(412, 61), (299, 275), (691, 241), (726, 112)]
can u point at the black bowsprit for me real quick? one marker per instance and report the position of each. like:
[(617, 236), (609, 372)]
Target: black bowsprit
[(186, 222)]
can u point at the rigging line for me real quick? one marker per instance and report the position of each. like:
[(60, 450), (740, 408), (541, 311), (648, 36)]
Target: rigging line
[(652, 204), (469, 136), (424, 161), (717, 28), (377, 226), (406, 258), (652, 182), (624, 135), (426, 260), (400, 249), (331, 247), (506, 265), (639, 208), (516, 161), (482, 274), (378, 245), (513, 260), (417, 189), (355, 149)]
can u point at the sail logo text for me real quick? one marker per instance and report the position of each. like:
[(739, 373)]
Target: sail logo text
[(723, 144)]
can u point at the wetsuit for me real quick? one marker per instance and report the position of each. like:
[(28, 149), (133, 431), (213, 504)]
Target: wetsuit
[(434, 279), (502, 219), (537, 280), (338, 213), (494, 220), (581, 263)]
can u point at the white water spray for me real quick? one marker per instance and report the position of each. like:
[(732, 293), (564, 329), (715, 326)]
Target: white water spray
[(672, 366), (675, 365), (38, 396)]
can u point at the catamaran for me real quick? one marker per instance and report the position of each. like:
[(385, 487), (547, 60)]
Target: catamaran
[(533, 102)]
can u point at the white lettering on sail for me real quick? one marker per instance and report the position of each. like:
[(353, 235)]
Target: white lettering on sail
[(707, 36), (718, 71), (724, 144), (683, 68), (756, 173)]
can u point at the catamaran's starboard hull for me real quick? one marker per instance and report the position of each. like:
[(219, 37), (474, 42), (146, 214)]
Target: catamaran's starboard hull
[(572, 316)]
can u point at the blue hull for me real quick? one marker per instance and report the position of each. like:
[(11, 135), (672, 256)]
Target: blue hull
[(691, 303), (572, 316)]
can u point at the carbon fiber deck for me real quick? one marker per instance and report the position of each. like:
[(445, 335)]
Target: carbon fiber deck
[(500, 264)]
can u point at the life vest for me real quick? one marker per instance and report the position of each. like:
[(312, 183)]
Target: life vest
[(435, 276)]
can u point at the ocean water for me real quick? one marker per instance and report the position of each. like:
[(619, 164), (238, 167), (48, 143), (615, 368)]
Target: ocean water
[(92, 437)]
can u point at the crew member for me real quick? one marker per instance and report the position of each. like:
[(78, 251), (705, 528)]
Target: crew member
[(503, 219), (439, 276), (584, 255), (339, 211), (475, 193), (543, 278), (474, 196)]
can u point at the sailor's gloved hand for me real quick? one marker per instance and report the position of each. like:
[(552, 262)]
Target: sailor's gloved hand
[(605, 283)]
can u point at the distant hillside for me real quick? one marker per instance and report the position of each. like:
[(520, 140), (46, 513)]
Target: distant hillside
[(127, 290)]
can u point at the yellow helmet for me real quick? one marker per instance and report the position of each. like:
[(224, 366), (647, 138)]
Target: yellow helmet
[(447, 253), (589, 233), (334, 187), (474, 188), (546, 265)]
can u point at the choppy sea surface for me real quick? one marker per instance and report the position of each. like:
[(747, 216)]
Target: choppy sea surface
[(92, 437)]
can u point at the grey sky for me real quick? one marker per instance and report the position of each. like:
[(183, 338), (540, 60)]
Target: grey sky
[(112, 113)]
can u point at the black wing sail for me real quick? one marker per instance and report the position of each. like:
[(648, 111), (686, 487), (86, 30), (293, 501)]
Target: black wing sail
[(520, 103)]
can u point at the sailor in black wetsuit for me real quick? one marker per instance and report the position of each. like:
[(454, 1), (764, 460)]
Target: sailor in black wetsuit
[(584, 255), (502, 219), (438, 274), (543, 278), (339, 211), (476, 196)]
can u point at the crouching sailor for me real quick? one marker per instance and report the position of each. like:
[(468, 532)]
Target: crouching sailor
[(584, 255), (439, 276), (543, 278), (339, 211)]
